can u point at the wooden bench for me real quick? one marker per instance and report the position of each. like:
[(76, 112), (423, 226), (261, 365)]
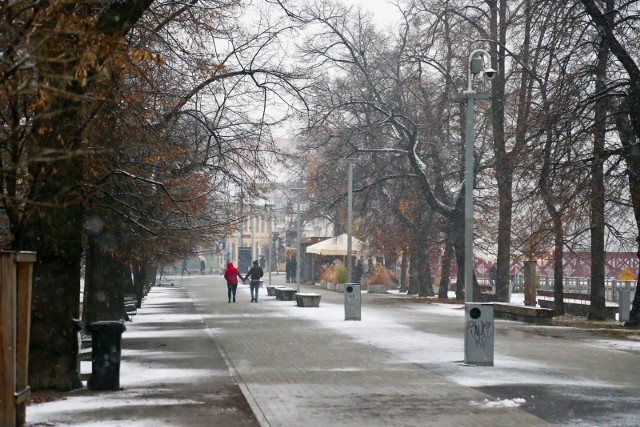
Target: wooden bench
[(285, 294), (131, 305), (308, 300), (523, 313), (377, 289), (576, 304)]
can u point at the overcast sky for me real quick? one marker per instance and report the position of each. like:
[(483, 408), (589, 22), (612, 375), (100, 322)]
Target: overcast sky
[(385, 12)]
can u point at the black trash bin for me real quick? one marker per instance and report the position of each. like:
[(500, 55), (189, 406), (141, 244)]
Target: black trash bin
[(105, 355)]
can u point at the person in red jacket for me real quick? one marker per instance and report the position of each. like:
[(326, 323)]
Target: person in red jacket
[(231, 274)]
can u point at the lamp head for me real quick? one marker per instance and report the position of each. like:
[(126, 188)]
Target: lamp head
[(490, 73), (477, 65)]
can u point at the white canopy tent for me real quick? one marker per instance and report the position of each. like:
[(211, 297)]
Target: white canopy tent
[(336, 246)]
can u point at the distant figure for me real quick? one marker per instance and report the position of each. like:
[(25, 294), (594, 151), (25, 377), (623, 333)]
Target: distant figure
[(231, 274), (184, 268), (255, 273), (263, 262), (358, 271), (493, 275), (202, 264), (287, 269), (294, 268)]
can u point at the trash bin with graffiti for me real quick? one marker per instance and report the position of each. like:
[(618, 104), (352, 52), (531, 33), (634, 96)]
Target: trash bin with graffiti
[(479, 332)]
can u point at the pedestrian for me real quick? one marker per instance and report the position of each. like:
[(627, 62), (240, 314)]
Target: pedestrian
[(493, 274), (358, 271), (202, 264), (231, 274), (184, 268), (287, 269), (255, 273), (294, 268)]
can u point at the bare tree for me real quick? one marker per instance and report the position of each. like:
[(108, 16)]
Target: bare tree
[(88, 139), (621, 42)]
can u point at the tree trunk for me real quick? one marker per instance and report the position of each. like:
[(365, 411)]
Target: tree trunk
[(597, 196), (445, 269), (503, 261), (55, 302), (424, 268), (403, 272), (104, 287), (504, 170), (140, 278), (151, 271), (558, 289), (414, 273)]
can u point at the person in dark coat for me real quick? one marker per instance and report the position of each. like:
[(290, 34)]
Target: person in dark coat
[(231, 275), (203, 264), (294, 268), (255, 273), (493, 275), (358, 271), (184, 268)]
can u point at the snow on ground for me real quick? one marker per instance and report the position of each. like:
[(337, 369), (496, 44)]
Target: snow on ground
[(440, 353), (506, 403), (140, 383)]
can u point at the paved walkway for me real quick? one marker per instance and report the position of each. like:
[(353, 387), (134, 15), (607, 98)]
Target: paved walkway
[(400, 366)]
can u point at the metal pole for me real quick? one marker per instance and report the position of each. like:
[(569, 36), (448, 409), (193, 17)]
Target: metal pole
[(298, 254), (271, 245), (241, 228), (349, 221), (252, 224), (468, 196)]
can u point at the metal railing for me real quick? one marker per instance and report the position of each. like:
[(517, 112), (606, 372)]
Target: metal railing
[(582, 285)]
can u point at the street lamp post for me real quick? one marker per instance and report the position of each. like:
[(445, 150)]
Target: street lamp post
[(241, 226), (252, 224), (349, 219), (298, 254), (474, 314), (476, 66), (268, 207)]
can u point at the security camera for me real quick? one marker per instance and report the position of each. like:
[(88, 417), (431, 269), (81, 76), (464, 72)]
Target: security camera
[(490, 73)]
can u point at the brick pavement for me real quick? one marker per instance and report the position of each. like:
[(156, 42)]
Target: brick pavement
[(294, 372), (192, 359)]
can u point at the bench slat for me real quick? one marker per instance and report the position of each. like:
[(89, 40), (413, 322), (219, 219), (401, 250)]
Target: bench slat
[(540, 316)]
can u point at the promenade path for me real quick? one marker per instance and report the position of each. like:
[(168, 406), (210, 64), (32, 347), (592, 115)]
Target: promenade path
[(401, 365)]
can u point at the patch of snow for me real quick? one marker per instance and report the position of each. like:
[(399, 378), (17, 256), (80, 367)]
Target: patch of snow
[(506, 403)]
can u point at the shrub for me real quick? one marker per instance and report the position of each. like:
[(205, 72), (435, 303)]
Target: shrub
[(328, 274), (381, 275), (341, 273)]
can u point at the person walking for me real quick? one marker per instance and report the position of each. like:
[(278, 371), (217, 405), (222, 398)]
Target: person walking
[(203, 264), (231, 275), (184, 268), (255, 273)]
